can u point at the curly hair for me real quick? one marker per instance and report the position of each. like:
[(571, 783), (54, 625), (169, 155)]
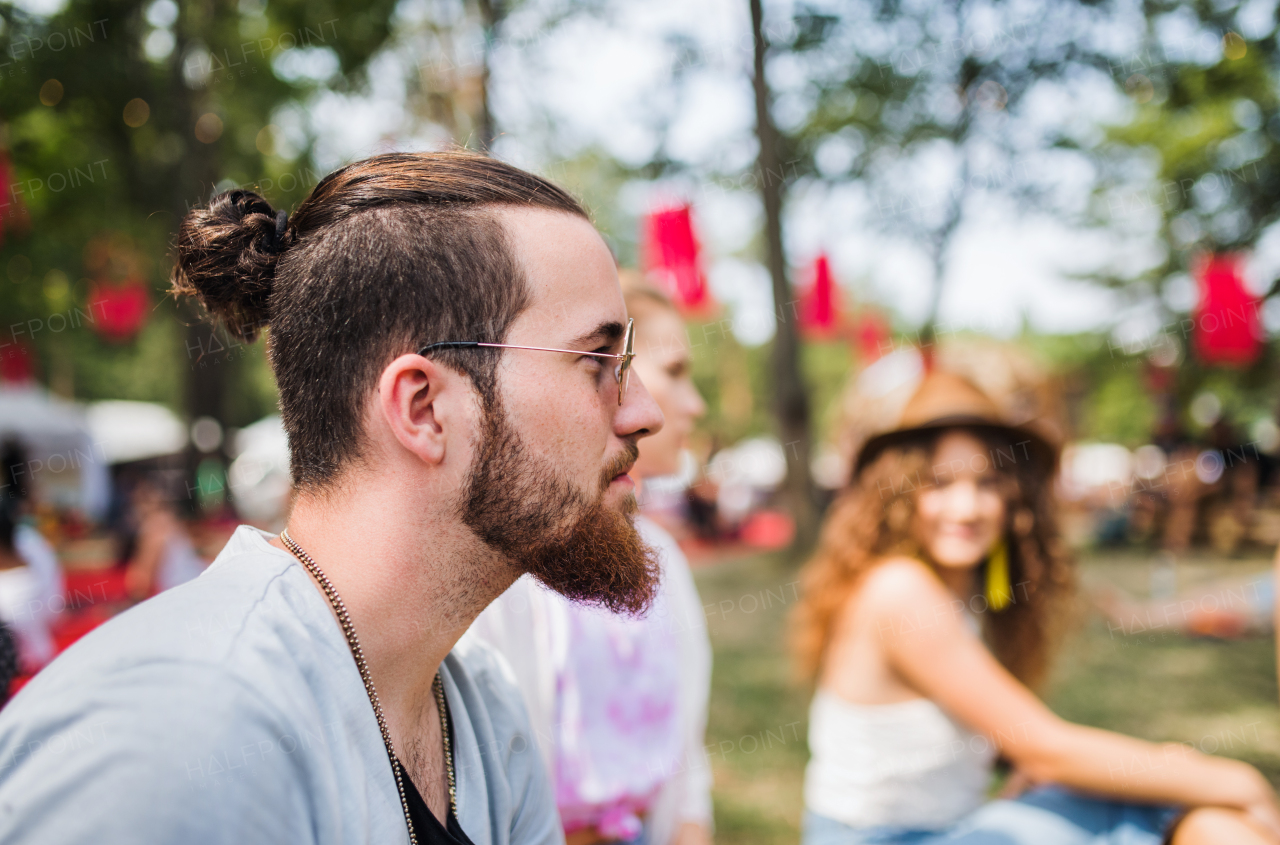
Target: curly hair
[(874, 518)]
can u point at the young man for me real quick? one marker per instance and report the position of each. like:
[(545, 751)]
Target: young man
[(448, 338)]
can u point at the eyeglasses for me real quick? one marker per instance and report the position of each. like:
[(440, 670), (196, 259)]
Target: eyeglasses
[(621, 371)]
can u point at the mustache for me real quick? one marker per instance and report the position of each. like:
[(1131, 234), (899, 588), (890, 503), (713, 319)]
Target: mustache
[(619, 465)]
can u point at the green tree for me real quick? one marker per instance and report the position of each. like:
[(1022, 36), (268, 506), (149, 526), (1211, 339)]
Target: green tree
[(1199, 157), (930, 106), (118, 118)]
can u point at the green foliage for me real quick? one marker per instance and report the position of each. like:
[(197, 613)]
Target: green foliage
[(1206, 125), (1211, 130), (87, 169), (826, 366), (1119, 409), (733, 380), (129, 371)]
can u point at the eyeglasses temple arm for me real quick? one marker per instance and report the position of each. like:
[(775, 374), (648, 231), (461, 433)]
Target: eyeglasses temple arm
[(466, 344), (449, 344)]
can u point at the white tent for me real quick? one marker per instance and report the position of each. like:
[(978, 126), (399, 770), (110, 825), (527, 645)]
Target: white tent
[(132, 431), (66, 464)]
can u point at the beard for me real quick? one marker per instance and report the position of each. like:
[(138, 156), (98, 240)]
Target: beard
[(572, 542)]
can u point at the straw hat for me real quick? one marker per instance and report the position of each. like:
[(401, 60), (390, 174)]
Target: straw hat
[(898, 396)]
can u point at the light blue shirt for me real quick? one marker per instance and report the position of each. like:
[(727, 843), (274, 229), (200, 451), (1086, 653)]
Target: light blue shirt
[(230, 710)]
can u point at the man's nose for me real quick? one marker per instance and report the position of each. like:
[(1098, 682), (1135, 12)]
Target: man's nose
[(639, 415)]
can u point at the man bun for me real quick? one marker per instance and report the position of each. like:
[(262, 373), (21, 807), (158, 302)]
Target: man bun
[(227, 256)]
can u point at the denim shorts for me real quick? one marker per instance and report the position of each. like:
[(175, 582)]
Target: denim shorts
[(1048, 815)]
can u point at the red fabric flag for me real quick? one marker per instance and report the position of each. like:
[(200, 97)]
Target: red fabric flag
[(8, 201), (818, 301), (119, 311), (17, 363), (1227, 328), (671, 257), (872, 336)]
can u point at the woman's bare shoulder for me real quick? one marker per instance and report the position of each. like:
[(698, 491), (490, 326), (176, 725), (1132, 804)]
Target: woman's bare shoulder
[(899, 578), (894, 588)]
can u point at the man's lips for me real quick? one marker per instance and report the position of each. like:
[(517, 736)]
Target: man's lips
[(617, 469)]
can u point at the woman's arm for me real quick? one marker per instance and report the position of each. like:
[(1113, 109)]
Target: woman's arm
[(942, 659), (141, 572)]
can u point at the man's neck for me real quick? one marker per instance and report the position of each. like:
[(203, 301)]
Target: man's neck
[(411, 581)]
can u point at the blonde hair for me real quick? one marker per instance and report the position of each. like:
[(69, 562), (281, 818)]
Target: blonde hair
[(640, 294)]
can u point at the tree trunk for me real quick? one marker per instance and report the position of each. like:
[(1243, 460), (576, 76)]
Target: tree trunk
[(791, 399), (491, 14), (941, 242), (207, 356)]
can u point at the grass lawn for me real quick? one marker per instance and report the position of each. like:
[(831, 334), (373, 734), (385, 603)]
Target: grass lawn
[(1154, 684)]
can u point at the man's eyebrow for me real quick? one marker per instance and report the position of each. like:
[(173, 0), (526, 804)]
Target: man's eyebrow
[(608, 332)]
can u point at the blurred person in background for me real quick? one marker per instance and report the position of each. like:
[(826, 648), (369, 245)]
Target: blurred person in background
[(929, 613), (618, 702), (44, 572), (9, 661), (21, 600), (163, 554)]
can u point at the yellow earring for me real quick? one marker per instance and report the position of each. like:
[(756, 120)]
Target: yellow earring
[(999, 590)]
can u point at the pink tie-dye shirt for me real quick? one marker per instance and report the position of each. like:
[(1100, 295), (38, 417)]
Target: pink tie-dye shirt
[(616, 720)]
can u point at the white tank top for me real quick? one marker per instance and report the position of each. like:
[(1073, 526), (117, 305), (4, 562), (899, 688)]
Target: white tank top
[(904, 765)]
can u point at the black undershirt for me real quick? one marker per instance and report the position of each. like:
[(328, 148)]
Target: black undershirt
[(425, 824)]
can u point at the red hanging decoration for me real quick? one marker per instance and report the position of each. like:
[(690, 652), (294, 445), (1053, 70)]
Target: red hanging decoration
[(818, 304), (671, 258), (17, 363), (872, 337), (10, 207), (1227, 328), (118, 312)]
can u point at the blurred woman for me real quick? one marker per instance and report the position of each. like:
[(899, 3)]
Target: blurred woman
[(618, 703), (164, 556), (927, 614)]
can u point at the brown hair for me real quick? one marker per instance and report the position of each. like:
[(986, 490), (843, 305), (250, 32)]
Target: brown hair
[(385, 256), (873, 518)]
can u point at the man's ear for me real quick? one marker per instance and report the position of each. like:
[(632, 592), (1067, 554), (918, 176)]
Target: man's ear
[(422, 404)]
